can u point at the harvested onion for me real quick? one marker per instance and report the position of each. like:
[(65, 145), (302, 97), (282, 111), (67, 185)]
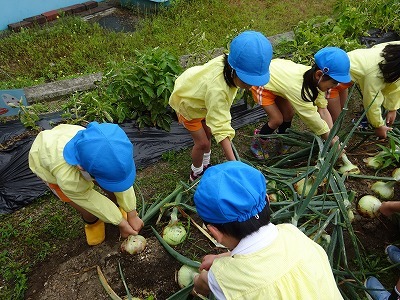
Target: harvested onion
[(348, 167), (306, 185), (133, 244), (186, 275), (368, 206), (384, 190), (174, 234)]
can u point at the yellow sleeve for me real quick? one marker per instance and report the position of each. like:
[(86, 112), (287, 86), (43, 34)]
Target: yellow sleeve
[(308, 113), (392, 96), (371, 88), (82, 192), (127, 199), (218, 116)]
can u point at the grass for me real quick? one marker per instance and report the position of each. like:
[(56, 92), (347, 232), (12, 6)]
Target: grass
[(37, 55), (72, 47)]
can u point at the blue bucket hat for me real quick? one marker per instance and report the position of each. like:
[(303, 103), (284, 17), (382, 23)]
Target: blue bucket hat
[(106, 153), (250, 55), (334, 62), (229, 192)]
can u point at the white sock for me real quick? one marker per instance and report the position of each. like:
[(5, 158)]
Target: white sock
[(197, 171), (206, 158)]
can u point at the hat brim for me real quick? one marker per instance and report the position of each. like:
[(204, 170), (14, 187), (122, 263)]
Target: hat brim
[(260, 80), (120, 186), (341, 78), (69, 151)]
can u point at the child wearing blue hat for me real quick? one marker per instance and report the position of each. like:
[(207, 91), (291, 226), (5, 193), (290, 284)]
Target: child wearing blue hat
[(203, 95), (377, 71), (296, 88), (72, 159), (266, 261)]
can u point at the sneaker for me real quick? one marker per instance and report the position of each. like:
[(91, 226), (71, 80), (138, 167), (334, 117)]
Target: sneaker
[(258, 147), (206, 167), (95, 233), (363, 124), (194, 177), (375, 290), (393, 254), (282, 148)]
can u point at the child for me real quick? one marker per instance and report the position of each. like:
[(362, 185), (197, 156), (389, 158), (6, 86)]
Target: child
[(299, 86), (266, 261), (374, 289), (71, 160), (376, 70), (203, 95)]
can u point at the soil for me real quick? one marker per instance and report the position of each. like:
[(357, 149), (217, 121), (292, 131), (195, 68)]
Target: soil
[(72, 272)]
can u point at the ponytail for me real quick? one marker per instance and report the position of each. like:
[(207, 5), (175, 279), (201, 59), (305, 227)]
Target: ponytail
[(390, 66), (229, 73), (309, 91)]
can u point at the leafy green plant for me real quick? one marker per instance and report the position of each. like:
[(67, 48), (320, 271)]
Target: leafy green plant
[(136, 90), (28, 114)]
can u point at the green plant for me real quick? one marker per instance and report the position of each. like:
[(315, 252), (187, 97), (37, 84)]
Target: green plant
[(136, 90)]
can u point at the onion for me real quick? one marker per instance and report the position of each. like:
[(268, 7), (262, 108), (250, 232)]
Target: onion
[(348, 167), (396, 174), (384, 190), (133, 244), (373, 162), (186, 275), (303, 184), (368, 206), (350, 214), (174, 234)]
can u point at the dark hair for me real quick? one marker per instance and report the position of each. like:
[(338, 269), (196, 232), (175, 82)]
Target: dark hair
[(240, 230), (390, 66), (229, 73), (309, 90)]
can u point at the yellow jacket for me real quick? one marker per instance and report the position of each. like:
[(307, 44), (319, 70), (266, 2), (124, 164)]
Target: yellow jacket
[(364, 70), (291, 267), (46, 161), (201, 92), (286, 81)]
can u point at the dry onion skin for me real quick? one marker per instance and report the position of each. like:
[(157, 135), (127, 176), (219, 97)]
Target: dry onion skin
[(133, 244)]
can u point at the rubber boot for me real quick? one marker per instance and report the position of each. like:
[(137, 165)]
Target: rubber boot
[(124, 214), (95, 233)]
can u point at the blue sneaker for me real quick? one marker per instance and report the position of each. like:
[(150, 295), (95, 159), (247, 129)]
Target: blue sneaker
[(375, 290), (393, 254)]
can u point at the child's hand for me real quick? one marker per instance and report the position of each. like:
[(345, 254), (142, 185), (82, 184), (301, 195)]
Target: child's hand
[(381, 131), (134, 220), (391, 117), (126, 229), (207, 262)]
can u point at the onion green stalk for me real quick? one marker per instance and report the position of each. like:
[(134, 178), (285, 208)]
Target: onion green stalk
[(179, 257), (384, 190), (175, 233), (368, 206)]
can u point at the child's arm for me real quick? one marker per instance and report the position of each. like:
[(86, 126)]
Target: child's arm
[(201, 284), (389, 207), (226, 146)]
